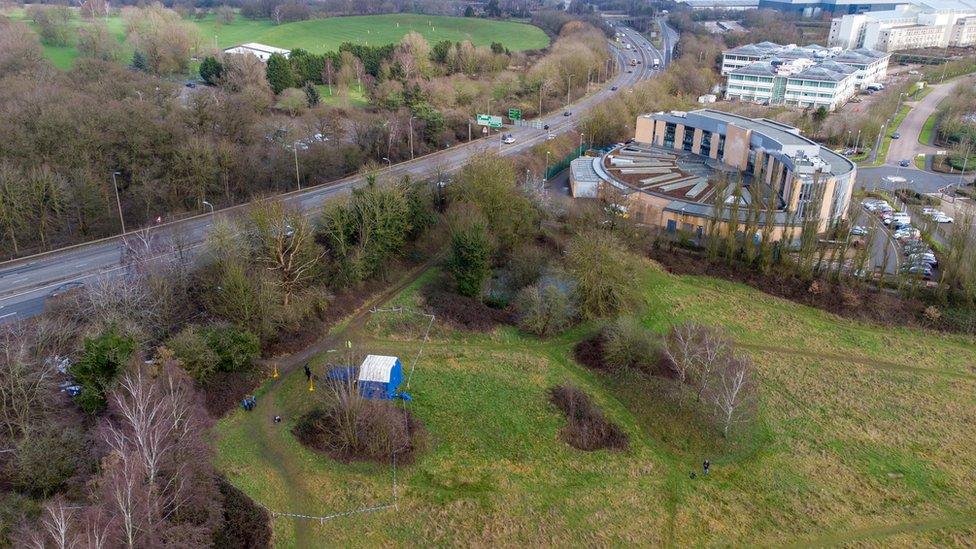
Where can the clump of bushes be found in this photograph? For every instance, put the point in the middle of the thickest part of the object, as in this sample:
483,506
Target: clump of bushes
546,307
223,348
466,313
586,426
349,427
628,344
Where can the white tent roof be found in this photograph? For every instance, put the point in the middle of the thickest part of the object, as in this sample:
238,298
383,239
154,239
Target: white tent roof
377,368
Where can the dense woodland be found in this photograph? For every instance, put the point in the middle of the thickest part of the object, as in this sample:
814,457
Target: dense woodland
172,148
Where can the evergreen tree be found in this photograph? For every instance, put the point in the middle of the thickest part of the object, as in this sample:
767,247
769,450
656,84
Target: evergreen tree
211,70
311,93
139,61
280,74
469,11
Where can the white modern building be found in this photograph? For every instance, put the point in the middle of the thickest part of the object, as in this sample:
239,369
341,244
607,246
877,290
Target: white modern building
800,76
922,24
261,51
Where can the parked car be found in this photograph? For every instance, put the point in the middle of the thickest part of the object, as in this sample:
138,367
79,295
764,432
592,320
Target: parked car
928,259
896,135
859,230
918,271
614,88
567,113
942,218
928,210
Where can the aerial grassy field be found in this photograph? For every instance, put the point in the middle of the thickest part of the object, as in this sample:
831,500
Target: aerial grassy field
322,35
863,435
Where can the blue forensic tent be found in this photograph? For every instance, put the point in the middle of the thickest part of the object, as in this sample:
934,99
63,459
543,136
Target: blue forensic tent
379,377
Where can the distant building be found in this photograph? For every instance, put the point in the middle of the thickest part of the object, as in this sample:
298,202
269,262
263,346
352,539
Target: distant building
922,24
261,51
807,76
815,8
736,5
670,175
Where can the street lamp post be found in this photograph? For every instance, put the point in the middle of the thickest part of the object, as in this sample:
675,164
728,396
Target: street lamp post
389,163
545,174
581,144
118,200
569,88
411,137
298,179
209,205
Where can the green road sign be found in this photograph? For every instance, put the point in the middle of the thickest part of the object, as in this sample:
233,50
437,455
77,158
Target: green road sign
515,114
489,120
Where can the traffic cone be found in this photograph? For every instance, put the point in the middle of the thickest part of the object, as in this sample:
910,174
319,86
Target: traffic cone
274,373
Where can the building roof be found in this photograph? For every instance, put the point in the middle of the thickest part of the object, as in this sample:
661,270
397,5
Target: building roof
583,170
377,368
822,73
264,48
759,68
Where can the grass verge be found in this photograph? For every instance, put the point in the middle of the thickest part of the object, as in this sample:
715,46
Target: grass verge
863,432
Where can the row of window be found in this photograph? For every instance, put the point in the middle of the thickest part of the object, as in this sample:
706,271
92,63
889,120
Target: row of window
811,83
749,78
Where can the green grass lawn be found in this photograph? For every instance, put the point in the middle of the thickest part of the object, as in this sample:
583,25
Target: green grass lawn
322,35
863,434
925,136
330,96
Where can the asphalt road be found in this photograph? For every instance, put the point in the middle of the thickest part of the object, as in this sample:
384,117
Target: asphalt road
908,145
25,284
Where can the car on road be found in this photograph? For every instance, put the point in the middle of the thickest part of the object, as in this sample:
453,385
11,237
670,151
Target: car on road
859,230
942,218
66,288
614,88
191,84
567,113
630,71
508,139
896,135
904,163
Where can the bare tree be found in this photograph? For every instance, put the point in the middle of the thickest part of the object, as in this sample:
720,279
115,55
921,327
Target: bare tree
27,384
732,391
694,352
286,245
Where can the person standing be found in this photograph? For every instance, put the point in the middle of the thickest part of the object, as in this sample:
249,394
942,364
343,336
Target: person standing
705,467
308,372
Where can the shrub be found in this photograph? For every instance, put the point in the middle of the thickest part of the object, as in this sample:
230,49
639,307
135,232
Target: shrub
546,308
605,275
245,524
194,353
470,253
103,358
586,427
350,427
526,266
234,347
46,460
463,312
629,344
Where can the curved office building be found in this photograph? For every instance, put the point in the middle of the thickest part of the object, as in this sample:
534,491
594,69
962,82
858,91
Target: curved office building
671,173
